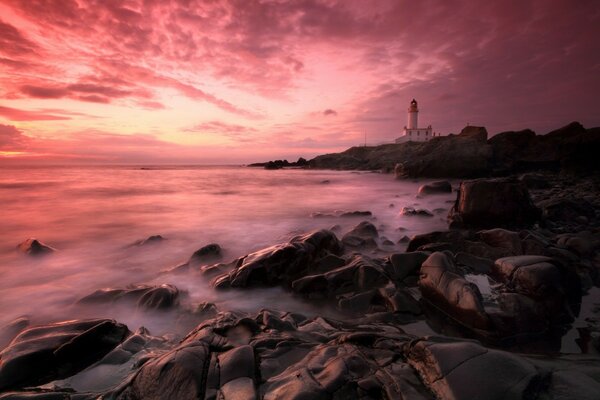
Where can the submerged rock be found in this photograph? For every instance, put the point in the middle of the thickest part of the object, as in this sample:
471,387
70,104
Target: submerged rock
143,296
34,247
419,212
45,353
438,187
150,240
206,253
493,203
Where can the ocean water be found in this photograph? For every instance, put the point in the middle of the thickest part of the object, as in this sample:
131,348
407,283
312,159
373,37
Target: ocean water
92,215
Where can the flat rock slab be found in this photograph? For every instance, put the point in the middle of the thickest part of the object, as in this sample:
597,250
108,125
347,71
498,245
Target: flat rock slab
42,354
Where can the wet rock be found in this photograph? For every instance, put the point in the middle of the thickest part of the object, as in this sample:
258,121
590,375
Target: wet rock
349,214
178,374
34,247
143,296
402,265
443,286
45,353
503,239
543,279
567,210
475,264
362,235
493,203
12,329
282,264
450,368
437,187
150,240
419,212
535,181
206,253
360,274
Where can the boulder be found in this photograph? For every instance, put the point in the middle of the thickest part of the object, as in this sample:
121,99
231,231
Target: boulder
402,265
282,264
410,211
34,247
360,274
362,235
41,354
143,296
567,210
441,285
492,203
210,252
437,187
150,240
450,369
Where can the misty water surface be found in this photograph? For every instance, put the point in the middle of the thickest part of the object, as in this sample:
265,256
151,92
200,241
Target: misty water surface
93,214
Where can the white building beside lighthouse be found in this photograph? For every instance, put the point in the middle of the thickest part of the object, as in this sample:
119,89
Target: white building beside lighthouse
412,132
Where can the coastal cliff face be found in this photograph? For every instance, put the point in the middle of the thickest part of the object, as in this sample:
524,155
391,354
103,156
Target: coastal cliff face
471,154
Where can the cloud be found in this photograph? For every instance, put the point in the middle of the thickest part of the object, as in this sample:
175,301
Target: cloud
12,139
273,65
14,114
231,131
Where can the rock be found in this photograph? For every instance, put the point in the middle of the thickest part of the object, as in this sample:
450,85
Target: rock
492,203
143,296
150,240
350,214
362,235
12,329
42,354
503,239
441,285
34,247
360,274
475,264
178,374
402,265
282,264
450,368
535,181
543,279
206,253
567,210
410,211
437,187
478,133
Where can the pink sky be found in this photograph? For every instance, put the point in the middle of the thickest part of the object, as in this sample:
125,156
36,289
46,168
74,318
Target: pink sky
152,81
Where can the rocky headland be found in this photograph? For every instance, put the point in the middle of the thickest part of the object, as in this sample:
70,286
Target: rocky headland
517,269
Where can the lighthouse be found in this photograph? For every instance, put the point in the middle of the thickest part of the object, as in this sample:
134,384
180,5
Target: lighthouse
412,132
413,115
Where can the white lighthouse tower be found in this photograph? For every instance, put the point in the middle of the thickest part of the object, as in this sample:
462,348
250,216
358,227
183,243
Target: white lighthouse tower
413,115
412,132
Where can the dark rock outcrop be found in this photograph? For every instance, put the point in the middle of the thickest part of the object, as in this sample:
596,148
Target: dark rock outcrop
492,203
437,187
44,353
150,240
145,297
34,247
282,264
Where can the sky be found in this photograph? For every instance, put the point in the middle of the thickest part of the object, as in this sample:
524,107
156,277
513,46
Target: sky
238,81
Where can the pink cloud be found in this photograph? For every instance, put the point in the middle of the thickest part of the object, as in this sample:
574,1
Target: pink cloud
12,139
513,65
14,114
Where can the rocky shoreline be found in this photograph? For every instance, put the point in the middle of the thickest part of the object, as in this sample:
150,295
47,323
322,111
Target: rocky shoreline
501,288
